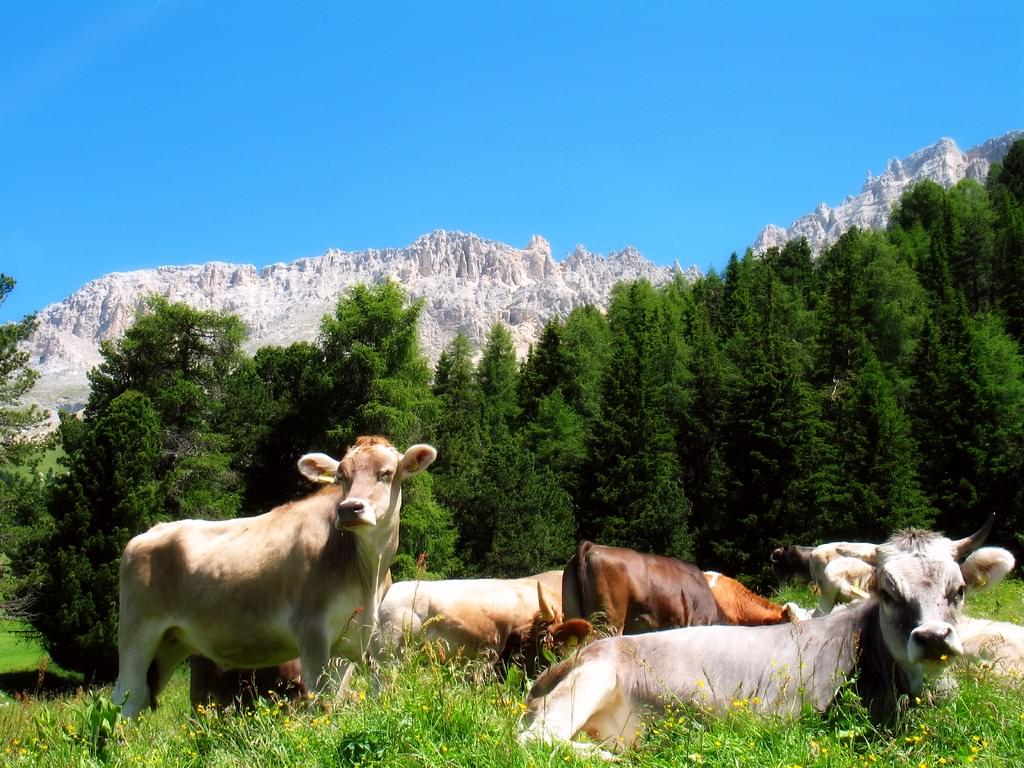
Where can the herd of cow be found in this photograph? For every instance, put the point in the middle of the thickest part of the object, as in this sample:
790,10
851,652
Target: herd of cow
262,604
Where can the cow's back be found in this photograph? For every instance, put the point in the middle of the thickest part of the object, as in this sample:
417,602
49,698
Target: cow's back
677,595
637,592
474,616
739,605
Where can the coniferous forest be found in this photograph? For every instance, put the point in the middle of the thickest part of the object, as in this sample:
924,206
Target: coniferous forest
789,399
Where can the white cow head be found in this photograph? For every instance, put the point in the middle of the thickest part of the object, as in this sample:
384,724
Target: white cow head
921,579
371,475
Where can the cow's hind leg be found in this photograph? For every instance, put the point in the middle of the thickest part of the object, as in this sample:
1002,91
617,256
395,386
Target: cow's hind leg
587,700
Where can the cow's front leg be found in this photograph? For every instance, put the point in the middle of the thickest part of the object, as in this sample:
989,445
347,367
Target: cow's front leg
314,652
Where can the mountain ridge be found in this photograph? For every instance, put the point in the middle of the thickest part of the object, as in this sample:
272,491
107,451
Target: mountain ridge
943,162
467,282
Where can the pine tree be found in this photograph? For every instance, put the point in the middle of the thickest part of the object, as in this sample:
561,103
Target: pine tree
462,447
181,359
707,476
20,486
553,401
771,423
16,379
529,516
1006,190
636,497
110,493
377,376
497,376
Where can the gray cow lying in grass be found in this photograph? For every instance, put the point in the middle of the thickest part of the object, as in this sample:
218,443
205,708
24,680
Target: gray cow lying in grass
907,631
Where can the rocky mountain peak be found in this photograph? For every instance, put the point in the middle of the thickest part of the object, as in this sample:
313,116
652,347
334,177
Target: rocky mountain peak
943,162
467,284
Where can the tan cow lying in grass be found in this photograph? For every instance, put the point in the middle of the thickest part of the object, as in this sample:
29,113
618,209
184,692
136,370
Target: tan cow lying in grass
472,618
304,579
997,645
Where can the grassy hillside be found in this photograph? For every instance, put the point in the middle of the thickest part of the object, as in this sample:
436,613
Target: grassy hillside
17,653
25,668
49,462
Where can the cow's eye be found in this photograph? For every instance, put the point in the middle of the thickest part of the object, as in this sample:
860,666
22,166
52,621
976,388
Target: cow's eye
957,596
384,476
887,597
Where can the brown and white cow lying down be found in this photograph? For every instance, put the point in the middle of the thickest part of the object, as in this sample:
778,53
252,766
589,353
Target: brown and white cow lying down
636,592
552,583
890,643
304,579
548,637
471,618
743,607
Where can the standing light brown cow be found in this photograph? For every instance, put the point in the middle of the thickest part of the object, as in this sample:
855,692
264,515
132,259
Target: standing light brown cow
636,592
304,579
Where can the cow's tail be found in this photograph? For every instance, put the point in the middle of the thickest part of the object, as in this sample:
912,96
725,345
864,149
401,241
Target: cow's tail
574,582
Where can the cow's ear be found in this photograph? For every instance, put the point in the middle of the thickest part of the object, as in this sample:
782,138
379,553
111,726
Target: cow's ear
318,467
417,458
986,567
866,552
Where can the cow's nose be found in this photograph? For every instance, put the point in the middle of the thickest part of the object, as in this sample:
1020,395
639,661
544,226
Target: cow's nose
776,555
353,513
936,642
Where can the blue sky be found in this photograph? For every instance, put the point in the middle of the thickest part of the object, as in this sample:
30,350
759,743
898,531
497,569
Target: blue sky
146,133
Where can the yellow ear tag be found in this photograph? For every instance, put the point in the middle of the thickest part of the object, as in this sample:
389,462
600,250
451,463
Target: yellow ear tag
326,478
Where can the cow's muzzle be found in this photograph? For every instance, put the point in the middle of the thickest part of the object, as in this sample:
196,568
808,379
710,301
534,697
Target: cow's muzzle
936,642
352,513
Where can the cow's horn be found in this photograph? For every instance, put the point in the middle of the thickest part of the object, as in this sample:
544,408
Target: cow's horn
964,547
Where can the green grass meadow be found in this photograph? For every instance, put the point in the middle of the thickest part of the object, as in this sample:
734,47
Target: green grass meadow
17,653
423,713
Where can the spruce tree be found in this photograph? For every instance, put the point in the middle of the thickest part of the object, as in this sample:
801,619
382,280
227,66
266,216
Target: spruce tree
707,476
771,424
21,488
376,374
462,446
110,493
497,376
635,496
